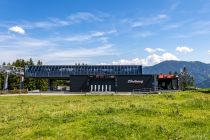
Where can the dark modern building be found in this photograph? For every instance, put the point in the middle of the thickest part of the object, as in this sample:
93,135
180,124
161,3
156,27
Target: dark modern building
99,78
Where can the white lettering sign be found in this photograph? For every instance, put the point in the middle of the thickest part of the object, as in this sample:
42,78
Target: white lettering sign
135,81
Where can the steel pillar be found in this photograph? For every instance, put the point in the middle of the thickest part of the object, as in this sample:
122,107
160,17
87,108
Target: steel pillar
21,82
0,84
6,77
50,84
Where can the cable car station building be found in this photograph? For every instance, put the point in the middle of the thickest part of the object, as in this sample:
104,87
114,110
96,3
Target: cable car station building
99,78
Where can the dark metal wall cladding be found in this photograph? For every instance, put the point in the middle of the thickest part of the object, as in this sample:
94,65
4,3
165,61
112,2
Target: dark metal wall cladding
124,86
82,83
79,83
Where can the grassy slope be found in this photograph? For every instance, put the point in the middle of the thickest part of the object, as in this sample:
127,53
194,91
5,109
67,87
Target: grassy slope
182,115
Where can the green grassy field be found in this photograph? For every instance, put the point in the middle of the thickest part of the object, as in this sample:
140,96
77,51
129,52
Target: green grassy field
181,115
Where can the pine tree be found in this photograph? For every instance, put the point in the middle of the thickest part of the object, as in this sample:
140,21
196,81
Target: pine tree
186,80
39,62
31,62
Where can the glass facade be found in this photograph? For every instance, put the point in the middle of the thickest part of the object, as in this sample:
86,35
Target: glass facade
67,70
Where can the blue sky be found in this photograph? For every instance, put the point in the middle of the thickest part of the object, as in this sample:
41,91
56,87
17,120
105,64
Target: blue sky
105,31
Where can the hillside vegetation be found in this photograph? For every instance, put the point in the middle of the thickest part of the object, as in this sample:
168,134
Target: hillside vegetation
181,115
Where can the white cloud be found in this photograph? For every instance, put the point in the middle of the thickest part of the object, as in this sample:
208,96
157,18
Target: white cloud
70,20
30,42
168,56
197,28
144,34
184,49
25,42
174,6
149,60
86,37
135,61
172,26
148,21
160,50
26,48
105,50
155,59
79,38
18,47
17,29
56,50
4,56
151,50
75,55
4,38
83,16
209,51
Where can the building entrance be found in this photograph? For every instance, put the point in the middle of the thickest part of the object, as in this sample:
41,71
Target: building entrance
102,85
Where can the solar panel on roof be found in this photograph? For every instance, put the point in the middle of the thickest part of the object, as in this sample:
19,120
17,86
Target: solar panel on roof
66,71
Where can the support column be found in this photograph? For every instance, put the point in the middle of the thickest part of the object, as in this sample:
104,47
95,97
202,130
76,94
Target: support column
88,86
6,77
0,85
69,83
50,84
116,86
21,82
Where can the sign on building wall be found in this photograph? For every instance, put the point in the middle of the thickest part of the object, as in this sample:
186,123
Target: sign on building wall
135,81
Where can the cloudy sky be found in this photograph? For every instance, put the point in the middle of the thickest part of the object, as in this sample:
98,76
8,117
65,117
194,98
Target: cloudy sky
105,32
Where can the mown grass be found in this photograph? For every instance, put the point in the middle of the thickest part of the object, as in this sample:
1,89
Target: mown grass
181,115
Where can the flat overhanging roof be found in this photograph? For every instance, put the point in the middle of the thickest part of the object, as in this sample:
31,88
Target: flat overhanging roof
64,71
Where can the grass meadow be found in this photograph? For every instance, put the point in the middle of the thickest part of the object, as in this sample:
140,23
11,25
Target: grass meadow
181,115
